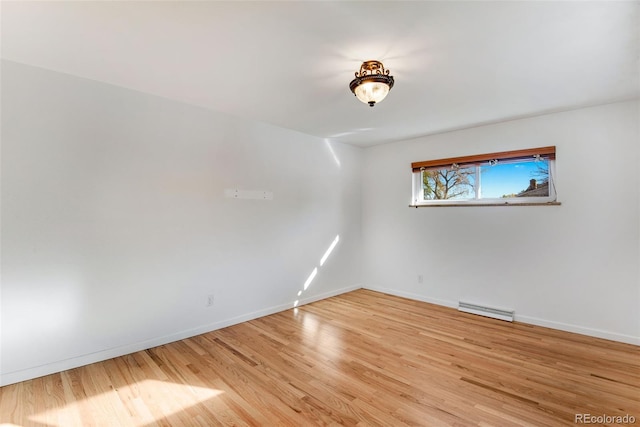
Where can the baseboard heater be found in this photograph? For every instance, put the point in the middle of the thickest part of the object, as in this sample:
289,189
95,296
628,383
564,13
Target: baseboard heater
496,313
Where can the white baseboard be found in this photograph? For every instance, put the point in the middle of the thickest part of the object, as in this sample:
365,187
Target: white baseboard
415,297
597,333
86,359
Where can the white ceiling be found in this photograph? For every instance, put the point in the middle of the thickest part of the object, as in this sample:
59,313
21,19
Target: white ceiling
456,64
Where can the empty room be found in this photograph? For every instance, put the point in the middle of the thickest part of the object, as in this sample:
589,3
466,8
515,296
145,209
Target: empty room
311,213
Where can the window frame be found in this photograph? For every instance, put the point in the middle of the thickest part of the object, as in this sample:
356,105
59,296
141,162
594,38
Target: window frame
478,161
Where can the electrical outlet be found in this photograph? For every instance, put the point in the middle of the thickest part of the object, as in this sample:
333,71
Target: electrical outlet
210,300
420,278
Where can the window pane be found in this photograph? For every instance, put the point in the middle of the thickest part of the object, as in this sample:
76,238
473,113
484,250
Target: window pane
449,184
515,179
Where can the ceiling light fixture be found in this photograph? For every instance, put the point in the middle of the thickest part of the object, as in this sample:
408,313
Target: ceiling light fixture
372,83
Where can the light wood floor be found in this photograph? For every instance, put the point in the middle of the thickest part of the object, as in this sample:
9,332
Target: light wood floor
362,358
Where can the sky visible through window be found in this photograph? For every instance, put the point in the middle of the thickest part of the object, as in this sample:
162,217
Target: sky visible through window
509,178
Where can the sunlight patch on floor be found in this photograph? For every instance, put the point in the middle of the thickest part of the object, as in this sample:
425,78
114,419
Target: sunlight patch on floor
134,401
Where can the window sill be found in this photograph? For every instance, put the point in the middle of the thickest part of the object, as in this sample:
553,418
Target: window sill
446,205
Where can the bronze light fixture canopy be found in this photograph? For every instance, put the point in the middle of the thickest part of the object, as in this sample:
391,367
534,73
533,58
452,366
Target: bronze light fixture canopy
372,83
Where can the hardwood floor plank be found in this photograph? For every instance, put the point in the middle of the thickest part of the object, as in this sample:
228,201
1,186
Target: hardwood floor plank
358,359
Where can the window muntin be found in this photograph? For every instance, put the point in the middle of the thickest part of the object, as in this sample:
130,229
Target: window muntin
514,177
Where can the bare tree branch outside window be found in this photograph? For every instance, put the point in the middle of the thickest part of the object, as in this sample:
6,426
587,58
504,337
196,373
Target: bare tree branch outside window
443,184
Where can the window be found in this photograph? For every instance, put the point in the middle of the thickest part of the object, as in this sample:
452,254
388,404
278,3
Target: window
507,178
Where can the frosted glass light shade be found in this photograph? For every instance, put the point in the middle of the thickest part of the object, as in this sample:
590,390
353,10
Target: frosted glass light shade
372,92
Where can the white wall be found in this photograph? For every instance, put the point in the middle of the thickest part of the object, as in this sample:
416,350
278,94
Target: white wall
115,227
571,267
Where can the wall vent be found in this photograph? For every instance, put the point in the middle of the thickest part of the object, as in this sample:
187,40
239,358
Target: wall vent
496,313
